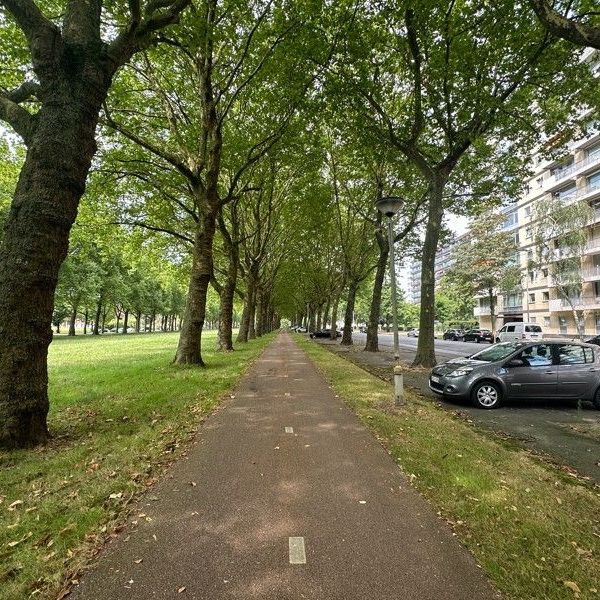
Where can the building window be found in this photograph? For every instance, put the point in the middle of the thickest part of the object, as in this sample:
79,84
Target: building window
565,193
546,321
531,276
528,233
539,181
562,324
597,323
594,151
533,319
545,272
532,297
593,181
527,211
546,296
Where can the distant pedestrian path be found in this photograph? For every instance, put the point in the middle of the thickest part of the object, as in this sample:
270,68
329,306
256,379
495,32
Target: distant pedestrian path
285,495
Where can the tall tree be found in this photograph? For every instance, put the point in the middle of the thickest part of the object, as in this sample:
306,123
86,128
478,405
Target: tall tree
70,62
441,82
560,239
487,262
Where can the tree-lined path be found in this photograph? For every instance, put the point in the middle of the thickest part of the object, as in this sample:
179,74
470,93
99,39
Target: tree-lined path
285,495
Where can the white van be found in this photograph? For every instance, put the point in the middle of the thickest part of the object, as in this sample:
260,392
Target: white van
519,331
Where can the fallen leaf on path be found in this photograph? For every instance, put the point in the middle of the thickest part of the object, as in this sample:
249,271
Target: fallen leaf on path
138,561
181,589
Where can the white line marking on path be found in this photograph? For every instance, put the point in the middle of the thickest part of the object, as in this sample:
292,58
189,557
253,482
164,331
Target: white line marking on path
289,430
297,552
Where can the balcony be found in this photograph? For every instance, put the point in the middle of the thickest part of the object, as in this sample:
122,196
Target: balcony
573,169
585,193
591,273
593,246
579,303
481,311
511,310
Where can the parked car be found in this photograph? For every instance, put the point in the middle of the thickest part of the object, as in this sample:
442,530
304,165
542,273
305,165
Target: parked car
324,333
478,335
412,332
519,331
594,340
362,328
549,369
453,334
301,329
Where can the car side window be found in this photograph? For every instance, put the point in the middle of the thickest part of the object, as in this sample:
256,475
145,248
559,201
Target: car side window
589,355
510,328
571,355
537,356
503,329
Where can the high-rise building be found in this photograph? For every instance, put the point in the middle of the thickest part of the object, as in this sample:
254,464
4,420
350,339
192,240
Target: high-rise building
574,177
443,261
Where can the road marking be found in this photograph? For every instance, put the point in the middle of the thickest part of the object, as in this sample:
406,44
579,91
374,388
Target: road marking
289,430
297,552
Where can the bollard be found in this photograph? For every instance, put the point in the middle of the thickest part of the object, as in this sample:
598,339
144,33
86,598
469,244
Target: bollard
398,387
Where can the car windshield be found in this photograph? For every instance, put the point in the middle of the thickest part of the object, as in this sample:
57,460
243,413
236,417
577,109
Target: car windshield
497,352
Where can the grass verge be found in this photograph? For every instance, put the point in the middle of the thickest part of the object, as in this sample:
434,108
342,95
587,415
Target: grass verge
533,529
119,413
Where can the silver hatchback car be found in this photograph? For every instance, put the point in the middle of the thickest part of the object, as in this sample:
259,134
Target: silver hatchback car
548,369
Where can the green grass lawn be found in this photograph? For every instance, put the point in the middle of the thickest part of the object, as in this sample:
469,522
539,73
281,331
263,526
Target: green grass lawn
119,413
534,529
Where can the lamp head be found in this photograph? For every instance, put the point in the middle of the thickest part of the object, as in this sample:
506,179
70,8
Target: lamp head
389,206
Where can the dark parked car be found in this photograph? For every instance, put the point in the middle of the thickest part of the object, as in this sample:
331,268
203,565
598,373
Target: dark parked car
454,334
553,369
324,333
594,340
478,335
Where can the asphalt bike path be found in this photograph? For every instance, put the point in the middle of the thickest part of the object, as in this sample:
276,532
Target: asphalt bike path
284,495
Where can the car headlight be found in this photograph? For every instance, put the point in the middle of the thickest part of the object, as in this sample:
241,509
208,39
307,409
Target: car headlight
460,372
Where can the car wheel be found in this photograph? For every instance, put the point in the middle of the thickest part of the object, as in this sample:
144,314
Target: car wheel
477,340
596,399
497,340
486,394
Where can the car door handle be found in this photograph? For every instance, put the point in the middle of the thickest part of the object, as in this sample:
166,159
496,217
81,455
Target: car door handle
593,370
550,372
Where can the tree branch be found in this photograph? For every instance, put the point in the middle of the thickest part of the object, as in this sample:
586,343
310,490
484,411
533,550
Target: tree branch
22,121
144,225
580,34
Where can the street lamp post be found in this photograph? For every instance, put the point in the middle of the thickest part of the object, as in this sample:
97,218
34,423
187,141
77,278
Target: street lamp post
389,207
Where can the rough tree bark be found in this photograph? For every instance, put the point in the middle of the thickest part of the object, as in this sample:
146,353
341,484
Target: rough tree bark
425,355
372,344
74,68
347,335
189,348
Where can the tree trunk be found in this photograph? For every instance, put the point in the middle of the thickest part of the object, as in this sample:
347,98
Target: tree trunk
347,335
259,312
96,331
334,315
326,313
125,321
189,348
85,321
104,312
425,356
138,318
252,320
372,344
72,321
35,243
247,312
492,312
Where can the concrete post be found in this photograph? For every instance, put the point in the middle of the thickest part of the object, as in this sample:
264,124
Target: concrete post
398,386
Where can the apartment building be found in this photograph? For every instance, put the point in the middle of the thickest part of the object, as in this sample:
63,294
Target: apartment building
575,177
443,261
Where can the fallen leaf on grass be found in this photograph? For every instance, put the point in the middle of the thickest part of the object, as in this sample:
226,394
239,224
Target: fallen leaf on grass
116,496
15,505
572,586
17,542
138,561
181,589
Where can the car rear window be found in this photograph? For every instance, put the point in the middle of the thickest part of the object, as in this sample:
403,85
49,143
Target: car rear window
570,354
533,328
